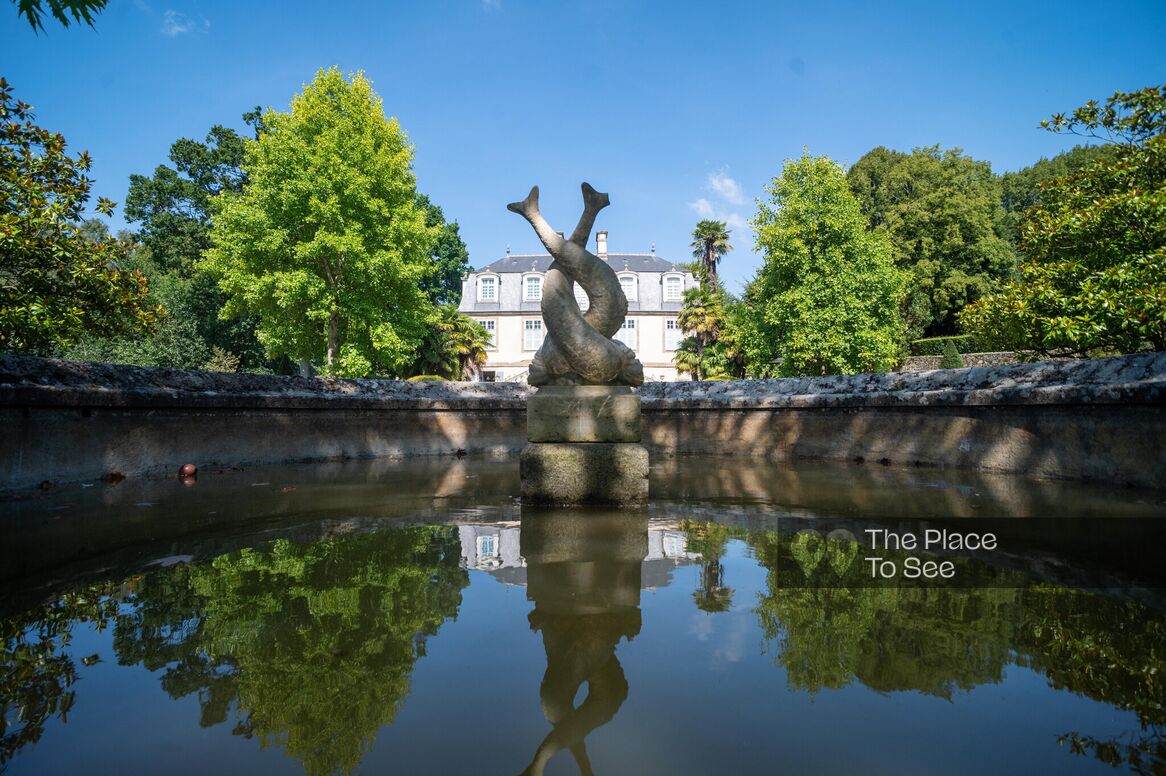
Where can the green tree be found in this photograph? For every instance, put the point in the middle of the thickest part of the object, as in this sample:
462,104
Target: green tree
326,244
951,357
942,212
451,259
710,242
57,283
81,10
708,351
175,341
1094,276
1022,189
826,300
173,209
453,347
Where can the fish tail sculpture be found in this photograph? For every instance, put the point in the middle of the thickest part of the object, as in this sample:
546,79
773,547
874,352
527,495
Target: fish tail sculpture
578,348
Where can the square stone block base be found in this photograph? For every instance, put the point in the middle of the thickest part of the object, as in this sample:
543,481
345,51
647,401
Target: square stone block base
583,413
565,473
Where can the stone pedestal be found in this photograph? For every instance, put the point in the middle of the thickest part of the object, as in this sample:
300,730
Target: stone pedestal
584,447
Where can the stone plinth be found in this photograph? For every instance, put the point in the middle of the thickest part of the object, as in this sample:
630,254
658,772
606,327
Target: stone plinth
583,413
584,473
584,447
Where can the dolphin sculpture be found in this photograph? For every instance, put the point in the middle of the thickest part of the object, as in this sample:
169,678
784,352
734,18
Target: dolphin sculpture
578,348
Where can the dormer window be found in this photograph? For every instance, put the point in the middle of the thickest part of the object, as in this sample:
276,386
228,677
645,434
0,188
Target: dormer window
488,288
532,286
628,284
673,288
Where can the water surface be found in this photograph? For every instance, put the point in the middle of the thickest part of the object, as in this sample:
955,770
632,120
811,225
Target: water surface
412,617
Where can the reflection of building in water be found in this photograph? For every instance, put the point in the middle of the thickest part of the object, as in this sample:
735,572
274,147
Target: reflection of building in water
494,548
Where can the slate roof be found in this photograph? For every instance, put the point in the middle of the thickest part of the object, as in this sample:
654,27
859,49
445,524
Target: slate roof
540,262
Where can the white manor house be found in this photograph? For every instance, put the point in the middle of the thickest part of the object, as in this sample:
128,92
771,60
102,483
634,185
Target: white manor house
506,296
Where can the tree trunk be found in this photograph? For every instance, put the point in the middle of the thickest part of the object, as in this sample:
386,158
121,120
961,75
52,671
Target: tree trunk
710,265
333,339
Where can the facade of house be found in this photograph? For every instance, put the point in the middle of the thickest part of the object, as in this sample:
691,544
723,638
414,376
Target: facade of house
495,548
506,298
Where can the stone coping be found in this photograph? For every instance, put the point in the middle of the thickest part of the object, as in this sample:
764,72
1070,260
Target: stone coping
50,382
1136,379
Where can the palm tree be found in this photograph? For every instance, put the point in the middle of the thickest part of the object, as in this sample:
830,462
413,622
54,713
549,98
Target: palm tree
701,317
710,241
454,347
467,340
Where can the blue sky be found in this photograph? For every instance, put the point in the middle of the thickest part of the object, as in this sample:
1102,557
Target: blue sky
679,110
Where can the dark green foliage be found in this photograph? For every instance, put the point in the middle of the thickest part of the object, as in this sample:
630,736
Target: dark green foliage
173,208
1094,279
710,350
80,10
1021,190
951,356
61,279
942,212
451,260
964,343
175,342
452,348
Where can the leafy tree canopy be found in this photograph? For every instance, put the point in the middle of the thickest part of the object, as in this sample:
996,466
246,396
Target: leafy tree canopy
326,244
57,283
453,347
826,300
1021,190
173,209
1094,279
173,206
451,259
33,11
941,210
709,351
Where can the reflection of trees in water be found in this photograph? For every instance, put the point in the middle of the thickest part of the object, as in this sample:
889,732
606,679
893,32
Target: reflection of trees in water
312,646
835,629
709,540
36,671
1112,652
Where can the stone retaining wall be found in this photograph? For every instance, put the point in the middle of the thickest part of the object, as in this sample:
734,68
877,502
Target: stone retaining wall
928,363
1100,419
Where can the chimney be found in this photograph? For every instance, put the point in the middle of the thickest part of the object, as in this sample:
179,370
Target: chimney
601,245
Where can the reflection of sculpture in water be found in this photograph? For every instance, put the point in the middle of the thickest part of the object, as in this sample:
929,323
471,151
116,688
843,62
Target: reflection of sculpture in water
583,574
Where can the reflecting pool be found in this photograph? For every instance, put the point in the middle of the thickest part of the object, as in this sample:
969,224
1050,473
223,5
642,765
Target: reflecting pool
412,617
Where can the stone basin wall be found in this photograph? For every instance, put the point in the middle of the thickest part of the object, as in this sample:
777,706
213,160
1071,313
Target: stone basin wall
1099,419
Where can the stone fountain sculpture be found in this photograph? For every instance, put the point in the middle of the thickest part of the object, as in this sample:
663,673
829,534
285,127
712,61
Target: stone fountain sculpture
583,424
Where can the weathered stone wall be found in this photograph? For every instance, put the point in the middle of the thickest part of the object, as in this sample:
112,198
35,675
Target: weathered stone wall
928,363
1098,419
1102,419
65,421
